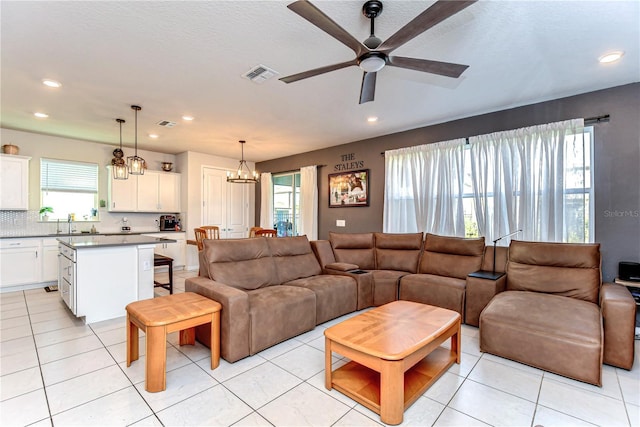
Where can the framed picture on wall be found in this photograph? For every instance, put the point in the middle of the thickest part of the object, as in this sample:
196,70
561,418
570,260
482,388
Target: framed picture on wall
349,189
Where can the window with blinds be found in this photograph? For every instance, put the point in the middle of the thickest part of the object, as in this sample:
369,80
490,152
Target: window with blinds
70,188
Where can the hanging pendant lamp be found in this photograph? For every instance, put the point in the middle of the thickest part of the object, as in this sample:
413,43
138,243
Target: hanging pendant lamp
244,174
137,165
119,166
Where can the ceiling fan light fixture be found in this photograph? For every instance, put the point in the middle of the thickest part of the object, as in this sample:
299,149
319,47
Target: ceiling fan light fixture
244,175
372,63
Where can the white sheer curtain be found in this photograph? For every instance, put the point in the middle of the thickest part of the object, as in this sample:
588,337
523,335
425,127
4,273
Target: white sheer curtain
308,223
424,189
519,181
266,200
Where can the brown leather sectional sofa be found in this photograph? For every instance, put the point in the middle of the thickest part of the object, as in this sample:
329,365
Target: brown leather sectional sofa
550,310
271,289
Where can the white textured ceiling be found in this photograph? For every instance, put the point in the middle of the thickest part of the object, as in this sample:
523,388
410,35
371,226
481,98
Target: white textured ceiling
187,57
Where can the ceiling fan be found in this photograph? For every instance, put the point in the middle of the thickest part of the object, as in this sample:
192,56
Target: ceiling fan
373,54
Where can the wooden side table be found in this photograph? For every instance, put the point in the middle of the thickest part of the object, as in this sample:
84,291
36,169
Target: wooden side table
160,316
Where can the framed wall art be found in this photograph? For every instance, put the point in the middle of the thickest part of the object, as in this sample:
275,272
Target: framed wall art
349,189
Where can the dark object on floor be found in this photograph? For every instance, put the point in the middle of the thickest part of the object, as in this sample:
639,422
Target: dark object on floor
52,288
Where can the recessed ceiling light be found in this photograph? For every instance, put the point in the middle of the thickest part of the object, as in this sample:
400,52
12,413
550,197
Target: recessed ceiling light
372,119
610,57
41,115
153,135
51,83
187,118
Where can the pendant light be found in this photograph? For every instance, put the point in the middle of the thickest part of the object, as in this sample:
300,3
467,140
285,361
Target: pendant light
136,164
119,166
244,174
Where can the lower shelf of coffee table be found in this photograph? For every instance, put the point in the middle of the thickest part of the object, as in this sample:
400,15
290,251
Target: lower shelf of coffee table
363,384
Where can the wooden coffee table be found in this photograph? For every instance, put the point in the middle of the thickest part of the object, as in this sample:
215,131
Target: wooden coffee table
395,355
160,316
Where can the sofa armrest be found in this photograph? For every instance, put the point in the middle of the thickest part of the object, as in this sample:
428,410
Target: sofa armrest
341,266
323,251
618,310
480,289
234,319
364,283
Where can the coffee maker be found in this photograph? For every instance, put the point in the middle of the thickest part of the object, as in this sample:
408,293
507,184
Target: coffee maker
168,222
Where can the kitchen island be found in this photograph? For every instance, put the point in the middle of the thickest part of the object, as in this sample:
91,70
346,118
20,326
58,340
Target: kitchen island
99,275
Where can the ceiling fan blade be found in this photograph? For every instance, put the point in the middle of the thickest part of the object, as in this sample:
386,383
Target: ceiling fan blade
317,71
447,69
314,15
368,89
438,12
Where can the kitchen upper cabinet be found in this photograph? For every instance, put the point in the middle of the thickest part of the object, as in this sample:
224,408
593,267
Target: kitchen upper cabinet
123,194
152,192
14,182
159,192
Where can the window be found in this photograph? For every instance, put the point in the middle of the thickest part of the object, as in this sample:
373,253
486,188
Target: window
536,179
70,188
286,203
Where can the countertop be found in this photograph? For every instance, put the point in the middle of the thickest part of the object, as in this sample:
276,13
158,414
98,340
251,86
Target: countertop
41,236
102,241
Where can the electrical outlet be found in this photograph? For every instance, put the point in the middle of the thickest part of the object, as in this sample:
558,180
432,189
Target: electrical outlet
341,223
146,266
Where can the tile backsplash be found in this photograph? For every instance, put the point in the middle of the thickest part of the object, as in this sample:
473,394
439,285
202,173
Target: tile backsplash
28,223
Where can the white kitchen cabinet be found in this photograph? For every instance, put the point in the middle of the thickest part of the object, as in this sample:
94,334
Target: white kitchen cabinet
152,192
169,192
49,260
177,250
123,193
14,182
21,262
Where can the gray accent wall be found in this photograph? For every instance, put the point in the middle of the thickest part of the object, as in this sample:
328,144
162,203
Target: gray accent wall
616,155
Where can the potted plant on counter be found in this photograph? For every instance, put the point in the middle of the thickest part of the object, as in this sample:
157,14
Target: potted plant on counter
45,211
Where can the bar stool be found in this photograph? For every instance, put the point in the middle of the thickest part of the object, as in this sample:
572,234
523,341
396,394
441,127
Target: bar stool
161,261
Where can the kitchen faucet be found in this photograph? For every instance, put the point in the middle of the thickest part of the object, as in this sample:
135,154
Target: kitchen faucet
69,221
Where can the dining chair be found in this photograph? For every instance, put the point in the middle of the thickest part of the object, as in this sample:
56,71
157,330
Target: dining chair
200,234
213,231
266,233
252,231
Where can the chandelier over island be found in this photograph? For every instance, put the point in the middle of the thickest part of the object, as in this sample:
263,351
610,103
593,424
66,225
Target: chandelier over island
244,175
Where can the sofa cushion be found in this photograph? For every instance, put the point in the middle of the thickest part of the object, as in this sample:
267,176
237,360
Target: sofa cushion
243,263
335,294
398,251
551,332
278,313
385,285
451,256
441,291
354,248
293,258
566,269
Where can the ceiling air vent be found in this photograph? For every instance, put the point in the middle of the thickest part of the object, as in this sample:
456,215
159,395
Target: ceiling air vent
260,74
166,123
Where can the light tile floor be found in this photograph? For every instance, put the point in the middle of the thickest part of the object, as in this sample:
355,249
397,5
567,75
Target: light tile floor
56,370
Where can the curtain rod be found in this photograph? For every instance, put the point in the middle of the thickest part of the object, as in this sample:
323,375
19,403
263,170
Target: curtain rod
588,121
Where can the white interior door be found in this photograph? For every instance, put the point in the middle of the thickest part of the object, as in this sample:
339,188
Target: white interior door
225,204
